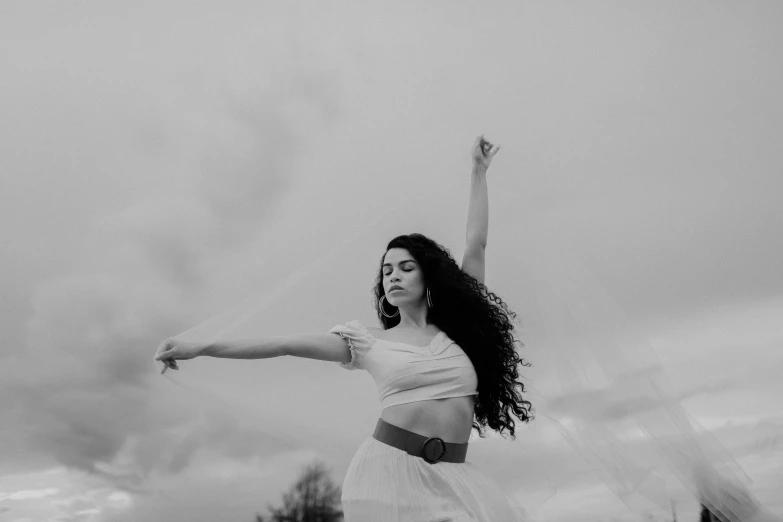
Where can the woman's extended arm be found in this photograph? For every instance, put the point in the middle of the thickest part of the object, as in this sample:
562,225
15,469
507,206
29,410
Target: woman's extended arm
323,346
172,350
264,348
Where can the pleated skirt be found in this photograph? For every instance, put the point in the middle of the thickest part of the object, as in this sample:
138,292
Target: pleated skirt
386,484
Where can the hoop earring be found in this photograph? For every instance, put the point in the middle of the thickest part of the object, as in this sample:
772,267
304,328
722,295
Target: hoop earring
429,299
380,305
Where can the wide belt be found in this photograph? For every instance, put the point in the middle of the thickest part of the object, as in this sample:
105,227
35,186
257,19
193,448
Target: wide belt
431,449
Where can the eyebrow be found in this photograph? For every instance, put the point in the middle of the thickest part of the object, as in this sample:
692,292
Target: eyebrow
401,262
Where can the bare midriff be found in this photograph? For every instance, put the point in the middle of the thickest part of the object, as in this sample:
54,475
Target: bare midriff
450,419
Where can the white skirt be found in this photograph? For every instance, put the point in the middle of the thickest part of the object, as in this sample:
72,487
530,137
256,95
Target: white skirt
386,484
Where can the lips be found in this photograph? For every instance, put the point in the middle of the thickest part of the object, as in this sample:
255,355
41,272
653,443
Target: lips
395,287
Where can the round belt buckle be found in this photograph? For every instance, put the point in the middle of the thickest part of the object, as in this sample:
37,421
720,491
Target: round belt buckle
424,450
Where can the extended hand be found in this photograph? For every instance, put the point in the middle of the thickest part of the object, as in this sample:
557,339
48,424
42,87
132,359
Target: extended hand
483,152
172,350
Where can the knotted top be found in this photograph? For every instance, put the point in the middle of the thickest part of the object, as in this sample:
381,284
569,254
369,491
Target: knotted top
406,373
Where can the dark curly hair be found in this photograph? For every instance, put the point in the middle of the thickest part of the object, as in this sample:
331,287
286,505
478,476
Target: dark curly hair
478,321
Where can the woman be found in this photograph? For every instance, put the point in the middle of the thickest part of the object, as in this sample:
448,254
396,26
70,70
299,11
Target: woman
444,356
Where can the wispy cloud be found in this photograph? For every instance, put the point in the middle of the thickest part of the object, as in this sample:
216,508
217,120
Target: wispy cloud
28,494
218,159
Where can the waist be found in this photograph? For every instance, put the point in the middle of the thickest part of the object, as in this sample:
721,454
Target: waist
449,418
431,449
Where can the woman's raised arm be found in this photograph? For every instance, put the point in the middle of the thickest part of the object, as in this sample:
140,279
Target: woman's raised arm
478,209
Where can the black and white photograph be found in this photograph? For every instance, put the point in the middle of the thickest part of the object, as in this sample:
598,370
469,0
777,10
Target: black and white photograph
357,261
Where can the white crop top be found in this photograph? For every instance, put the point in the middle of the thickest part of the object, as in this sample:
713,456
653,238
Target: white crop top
405,373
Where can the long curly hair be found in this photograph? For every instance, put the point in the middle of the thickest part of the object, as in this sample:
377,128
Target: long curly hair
478,321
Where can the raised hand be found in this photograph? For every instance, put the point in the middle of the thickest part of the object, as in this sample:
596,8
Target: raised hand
483,152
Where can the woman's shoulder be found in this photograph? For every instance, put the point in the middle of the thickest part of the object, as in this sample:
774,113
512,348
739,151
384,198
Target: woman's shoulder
360,328
379,333
405,336
375,332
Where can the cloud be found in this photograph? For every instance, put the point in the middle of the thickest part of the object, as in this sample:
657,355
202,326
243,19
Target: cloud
84,390
28,494
62,494
633,393
643,420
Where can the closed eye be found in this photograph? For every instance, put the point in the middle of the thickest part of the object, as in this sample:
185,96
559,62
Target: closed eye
404,270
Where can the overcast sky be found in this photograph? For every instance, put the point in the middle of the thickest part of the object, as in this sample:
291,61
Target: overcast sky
163,161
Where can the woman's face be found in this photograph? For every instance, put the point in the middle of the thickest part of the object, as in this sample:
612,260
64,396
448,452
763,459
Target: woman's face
399,268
